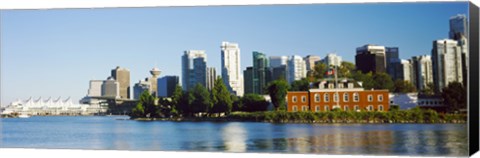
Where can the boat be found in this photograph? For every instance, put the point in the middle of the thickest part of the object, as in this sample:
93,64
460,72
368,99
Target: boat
23,116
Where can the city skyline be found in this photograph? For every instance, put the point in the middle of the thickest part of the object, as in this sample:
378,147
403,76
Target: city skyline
297,37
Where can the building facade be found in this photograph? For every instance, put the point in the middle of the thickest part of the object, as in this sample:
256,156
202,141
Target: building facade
167,85
422,71
371,58
393,63
277,61
155,72
261,72
248,80
111,88
194,69
230,58
347,97
297,68
95,88
310,61
458,26
447,63
141,87
280,73
332,60
122,75
211,77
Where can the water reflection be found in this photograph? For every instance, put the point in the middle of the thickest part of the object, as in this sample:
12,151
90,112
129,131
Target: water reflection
234,136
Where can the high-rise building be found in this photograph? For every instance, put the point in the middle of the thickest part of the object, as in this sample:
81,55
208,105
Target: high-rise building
406,71
248,80
261,72
122,76
231,75
280,73
194,69
447,63
166,85
141,87
211,77
277,61
393,63
422,71
332,59
371,58
153,80
310,61
111,88
458,27
297,68
95,89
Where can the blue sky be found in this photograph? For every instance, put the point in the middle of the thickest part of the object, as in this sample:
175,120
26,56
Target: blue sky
56,52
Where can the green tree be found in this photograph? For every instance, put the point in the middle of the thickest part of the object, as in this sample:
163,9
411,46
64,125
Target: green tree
401,86
278,91
254,102
201,99
146,106
319,70
429,90
221,99
181,101
300,85
454,96
346,69
382,81
366,79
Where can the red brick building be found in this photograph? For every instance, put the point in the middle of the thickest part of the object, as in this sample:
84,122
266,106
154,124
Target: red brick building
348,96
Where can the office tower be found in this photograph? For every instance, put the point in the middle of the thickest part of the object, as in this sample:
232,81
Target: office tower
280,73
122,76
393,63
230,57
310,61
458,26
141,87
155,72
405,71
167,85
277,61
261,72
194,69
211,77
297,68
332,59
447,63
422,71
370,58
248,80
95,89
111,88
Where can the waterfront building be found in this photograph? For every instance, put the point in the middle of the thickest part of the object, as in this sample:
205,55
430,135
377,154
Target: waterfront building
278,61
95,88
248,80
332,59
348,95
122,76
371,58
447,63
194,69
403,100
167,85
51,106
155,72
296,68
422,73
141,87
310,61
458,26
230,58
111,88
261,72
211,77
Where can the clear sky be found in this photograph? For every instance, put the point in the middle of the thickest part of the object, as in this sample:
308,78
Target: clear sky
56,52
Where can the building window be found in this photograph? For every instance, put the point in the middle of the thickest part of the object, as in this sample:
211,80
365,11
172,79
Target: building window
327,108
356,108
370,108
326,97
317,97
370,98
294,99
345,97
304,108
335,97
317,108
356,98
345,108
380,97
294,108
380,107
304,99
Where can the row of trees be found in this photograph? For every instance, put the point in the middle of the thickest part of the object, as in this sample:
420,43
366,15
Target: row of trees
198,101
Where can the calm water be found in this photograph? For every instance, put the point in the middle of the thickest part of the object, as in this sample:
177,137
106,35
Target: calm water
93,132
